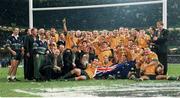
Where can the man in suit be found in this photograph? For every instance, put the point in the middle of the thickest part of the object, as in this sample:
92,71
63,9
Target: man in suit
26,58
161,42
28,44
51,69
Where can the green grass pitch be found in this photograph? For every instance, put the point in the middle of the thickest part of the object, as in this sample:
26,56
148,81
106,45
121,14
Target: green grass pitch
7,89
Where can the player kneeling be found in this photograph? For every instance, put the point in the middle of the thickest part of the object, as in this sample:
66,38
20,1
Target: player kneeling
159,75
148,67
152,69
79,74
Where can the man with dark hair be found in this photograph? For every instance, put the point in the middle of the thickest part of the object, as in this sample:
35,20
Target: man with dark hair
29,53
152,34
67,60
61,40
161,42
79,74
26,59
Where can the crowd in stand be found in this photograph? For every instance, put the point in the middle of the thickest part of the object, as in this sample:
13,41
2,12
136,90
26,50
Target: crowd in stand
81,55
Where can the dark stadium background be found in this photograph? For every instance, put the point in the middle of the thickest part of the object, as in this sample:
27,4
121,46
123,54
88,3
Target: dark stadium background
15,13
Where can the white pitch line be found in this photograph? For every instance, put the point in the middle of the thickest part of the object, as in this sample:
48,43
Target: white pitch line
90,91
23,91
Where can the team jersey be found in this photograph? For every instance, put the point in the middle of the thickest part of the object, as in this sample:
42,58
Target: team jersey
114,42
151,57
124,52
129,55
69,41
76,40
104,53
55,38
40,47
97,48
91,70
15,43
150,70
143,41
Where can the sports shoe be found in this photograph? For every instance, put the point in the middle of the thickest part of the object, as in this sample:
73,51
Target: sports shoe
9,79
178,78
15,79
111,77
138,79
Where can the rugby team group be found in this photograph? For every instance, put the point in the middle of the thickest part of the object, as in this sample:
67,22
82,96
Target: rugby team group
123,53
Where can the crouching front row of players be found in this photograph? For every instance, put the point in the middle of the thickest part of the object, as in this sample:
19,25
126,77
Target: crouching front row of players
145,66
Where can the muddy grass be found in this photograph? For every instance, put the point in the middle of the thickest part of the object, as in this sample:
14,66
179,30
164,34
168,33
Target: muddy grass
140,89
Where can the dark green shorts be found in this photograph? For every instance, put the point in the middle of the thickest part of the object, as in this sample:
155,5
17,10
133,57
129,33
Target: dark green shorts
85,74
151,77
18,56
